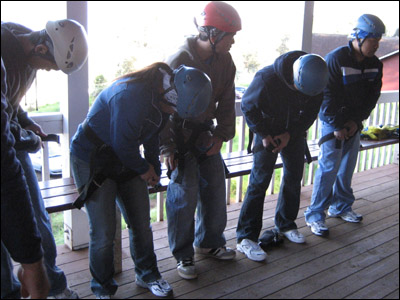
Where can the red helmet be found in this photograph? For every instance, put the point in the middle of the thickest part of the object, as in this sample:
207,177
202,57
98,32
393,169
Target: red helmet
221,16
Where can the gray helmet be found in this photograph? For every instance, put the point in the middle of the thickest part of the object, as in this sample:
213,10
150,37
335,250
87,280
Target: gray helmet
371,25
194,91
310,74
70,44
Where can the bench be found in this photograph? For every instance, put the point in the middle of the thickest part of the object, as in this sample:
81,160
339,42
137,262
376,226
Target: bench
59,194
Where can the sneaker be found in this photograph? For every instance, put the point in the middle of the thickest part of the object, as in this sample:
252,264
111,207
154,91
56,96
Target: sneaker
66,294
223,253
103,296
186,269
294,236
349,216
252,250
160,287
318,228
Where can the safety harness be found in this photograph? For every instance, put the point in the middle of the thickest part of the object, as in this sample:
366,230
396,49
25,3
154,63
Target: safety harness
183,147
104,164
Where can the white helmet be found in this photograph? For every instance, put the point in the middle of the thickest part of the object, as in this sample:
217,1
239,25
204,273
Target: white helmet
70,44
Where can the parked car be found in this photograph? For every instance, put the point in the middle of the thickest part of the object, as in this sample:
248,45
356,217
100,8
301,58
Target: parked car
55,159
239,90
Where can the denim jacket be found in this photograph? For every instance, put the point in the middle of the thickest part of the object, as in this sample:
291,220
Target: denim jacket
125,116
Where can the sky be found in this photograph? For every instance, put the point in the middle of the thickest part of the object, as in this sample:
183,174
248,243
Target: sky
152,30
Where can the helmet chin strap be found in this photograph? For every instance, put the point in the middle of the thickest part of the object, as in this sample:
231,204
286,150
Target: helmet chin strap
360,43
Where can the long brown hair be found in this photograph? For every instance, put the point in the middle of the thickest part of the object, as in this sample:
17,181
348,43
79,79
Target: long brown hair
149,74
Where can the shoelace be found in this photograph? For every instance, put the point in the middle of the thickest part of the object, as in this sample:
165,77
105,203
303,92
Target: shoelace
186,262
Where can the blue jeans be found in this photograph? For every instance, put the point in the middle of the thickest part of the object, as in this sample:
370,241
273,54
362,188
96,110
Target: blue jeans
10,286
287,208
133,199
332,185
203,187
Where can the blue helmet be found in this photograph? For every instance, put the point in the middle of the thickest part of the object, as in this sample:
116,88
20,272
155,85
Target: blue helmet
310,74
369,26
194,91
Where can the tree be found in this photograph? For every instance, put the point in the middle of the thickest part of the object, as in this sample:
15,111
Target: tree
100,83
251,63
282,47
127,66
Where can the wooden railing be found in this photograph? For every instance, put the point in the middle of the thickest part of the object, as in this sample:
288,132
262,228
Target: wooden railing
386,112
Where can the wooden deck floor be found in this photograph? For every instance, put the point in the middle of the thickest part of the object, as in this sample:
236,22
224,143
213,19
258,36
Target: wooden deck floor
356,261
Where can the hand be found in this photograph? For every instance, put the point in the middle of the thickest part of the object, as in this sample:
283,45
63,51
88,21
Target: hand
36,128
284,138
150,176
34,281
352,128
217,145
341,135
171,162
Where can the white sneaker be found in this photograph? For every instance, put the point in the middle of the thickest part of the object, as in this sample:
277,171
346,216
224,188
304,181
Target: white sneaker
223,253
103,297
159,288
186,269
252,250
294,236
66,294
350,216
318,228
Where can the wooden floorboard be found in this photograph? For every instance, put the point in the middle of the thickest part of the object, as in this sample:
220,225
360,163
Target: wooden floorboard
355,261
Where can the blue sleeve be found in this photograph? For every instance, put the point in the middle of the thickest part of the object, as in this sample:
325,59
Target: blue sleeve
250,106
127,119
19,230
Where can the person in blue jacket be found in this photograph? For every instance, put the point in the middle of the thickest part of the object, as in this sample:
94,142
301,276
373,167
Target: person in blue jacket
62,45
355,81
17,215
106,155
280,104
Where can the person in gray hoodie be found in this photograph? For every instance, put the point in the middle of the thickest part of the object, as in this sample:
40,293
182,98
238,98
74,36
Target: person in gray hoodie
192,146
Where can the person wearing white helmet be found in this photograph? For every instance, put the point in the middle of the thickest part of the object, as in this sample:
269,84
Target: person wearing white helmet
61,46
355,81
279,106
192,146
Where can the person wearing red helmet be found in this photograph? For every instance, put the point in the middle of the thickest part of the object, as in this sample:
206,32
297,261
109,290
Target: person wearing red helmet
192,146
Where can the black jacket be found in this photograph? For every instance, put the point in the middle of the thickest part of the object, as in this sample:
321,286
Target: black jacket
272,105
19,232
353,88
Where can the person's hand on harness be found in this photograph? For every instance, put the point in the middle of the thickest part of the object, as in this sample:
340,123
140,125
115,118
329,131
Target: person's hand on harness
278,142
351,127
150,176
341,134
36,129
